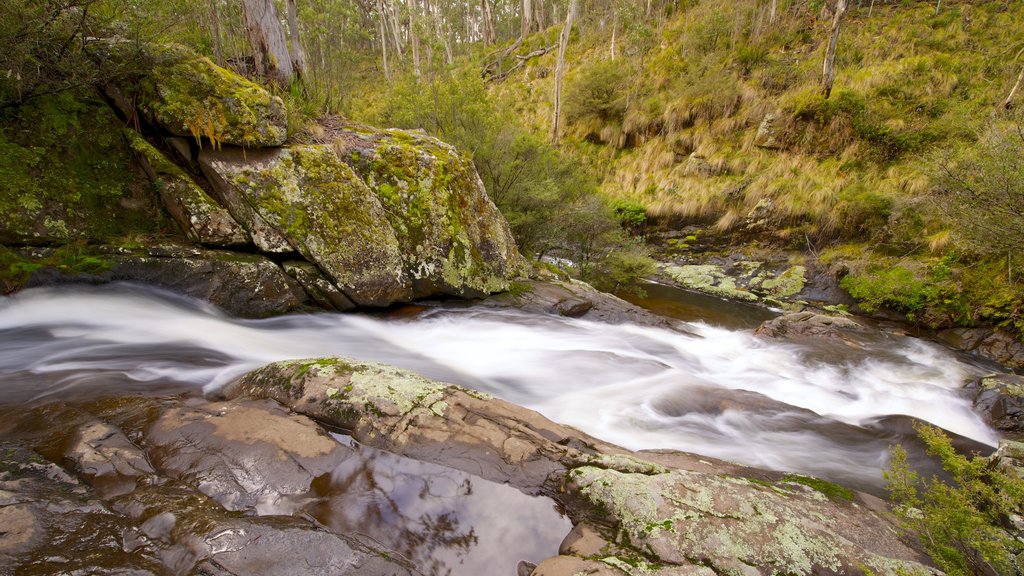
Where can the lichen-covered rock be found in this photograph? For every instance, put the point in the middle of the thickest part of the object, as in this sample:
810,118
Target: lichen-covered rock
188,95
454,241
689,518
411,220
708,278
810,324
200,217
1000,399
736,526
306,196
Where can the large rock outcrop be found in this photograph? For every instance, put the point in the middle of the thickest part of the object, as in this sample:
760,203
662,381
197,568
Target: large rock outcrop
406,217
666,513
368,217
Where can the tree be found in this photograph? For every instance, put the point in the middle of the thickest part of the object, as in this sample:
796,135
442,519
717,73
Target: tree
267,39
828,72
981,190
563,41
1013,91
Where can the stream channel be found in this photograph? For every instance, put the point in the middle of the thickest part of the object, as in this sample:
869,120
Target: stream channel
824,408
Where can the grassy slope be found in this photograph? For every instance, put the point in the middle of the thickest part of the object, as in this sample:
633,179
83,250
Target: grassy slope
672,122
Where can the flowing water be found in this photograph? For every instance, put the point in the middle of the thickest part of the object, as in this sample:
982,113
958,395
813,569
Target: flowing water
824,408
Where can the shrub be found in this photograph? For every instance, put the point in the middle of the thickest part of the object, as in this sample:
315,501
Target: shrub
597,95
960,524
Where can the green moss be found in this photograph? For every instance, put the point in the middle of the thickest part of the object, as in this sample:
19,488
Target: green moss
789,283
833,491
190,95
708,278
66,173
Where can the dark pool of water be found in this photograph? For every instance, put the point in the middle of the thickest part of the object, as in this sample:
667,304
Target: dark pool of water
696,307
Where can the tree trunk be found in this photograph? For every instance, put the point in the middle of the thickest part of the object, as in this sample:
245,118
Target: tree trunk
488,27
560,68
828,71
414,37
1013,91
269,45
773,11
538,15
615,26
383,40
527,18
296,50
218,51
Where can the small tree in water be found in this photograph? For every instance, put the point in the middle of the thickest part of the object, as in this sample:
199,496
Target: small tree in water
962,525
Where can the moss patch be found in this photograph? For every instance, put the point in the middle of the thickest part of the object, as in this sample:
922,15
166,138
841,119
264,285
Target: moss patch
66,173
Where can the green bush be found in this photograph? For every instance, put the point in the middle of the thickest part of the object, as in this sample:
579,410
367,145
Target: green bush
961,523
597,94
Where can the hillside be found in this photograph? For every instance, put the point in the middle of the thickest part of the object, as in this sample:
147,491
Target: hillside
713,120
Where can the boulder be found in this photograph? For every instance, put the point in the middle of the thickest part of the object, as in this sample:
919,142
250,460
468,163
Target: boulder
1000,400
188,95
387,216
454,240
304,198
200,217
810,324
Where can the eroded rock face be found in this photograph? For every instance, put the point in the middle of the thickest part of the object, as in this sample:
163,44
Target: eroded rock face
994,344
1000,399
200,217
687,518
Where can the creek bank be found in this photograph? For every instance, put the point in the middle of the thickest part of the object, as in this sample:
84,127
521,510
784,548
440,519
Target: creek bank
795,280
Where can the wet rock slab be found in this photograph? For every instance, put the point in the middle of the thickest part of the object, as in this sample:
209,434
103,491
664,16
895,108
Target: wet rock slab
690,517
187,486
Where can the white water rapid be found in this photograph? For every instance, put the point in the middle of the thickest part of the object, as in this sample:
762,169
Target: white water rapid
826,409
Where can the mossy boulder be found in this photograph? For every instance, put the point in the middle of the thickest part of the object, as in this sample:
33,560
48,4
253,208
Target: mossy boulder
188,95
317,206
387,216
200,217
454,240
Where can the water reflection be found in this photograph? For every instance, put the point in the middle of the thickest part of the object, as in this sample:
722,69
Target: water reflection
448,523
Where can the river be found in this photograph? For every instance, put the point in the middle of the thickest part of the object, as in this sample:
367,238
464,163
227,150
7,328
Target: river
821,408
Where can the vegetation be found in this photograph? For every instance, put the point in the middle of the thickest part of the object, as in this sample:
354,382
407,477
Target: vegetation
962,524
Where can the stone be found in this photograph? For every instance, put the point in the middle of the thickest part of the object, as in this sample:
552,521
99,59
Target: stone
810,324
662,520
244,285
454,240
304,198
188,95
767,133
317,286
1000,400
995,344
200,217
